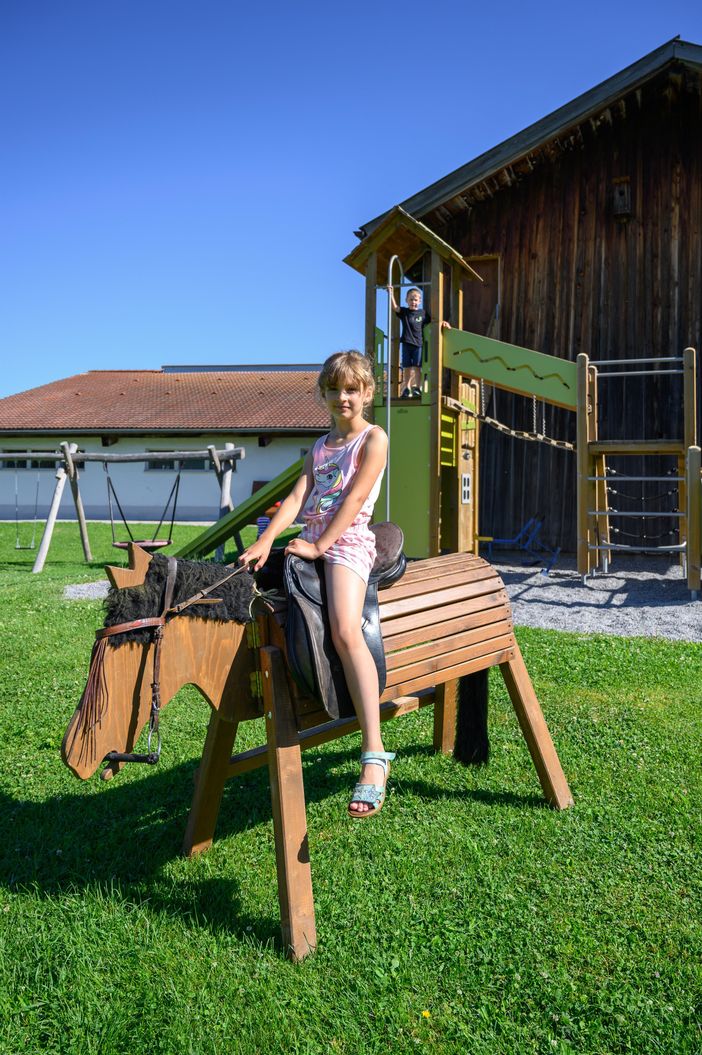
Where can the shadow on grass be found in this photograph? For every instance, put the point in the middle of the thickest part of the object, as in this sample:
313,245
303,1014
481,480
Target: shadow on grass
118,837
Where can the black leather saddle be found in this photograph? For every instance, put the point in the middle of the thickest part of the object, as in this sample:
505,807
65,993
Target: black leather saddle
312,657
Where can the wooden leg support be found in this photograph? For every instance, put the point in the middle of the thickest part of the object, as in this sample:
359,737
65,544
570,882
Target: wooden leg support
289,813
445,708
535,730
209,785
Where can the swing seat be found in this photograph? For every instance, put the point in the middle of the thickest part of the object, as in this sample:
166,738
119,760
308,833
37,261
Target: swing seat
147,543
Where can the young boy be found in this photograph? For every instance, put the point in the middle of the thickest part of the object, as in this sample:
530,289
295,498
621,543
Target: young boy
413,319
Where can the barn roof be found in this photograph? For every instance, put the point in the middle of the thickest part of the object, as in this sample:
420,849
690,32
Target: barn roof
444,198
138,401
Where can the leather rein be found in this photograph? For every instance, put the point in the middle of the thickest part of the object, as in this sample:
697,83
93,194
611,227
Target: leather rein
157,623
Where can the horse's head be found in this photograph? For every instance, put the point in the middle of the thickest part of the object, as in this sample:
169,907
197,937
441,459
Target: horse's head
118,698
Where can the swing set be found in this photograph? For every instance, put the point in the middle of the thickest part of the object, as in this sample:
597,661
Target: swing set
155,542
221,461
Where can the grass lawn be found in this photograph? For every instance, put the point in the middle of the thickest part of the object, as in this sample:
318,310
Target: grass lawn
468,918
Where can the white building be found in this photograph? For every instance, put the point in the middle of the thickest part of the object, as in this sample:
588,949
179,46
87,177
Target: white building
272,412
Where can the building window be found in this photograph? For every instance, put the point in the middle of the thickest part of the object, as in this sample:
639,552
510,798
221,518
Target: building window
170,465
13,462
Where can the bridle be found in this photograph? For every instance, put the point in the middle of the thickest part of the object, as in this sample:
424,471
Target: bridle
94,688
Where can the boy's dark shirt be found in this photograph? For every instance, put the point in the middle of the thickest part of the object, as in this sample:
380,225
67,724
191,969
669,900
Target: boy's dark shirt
412,323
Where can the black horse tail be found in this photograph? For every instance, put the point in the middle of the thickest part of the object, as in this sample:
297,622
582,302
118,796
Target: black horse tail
472,746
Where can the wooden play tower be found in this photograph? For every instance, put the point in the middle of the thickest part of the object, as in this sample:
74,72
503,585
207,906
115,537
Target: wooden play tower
433,478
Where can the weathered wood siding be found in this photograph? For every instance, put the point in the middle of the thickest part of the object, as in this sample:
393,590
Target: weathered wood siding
577,279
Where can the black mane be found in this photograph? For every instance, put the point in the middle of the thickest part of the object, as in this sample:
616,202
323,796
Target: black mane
139,602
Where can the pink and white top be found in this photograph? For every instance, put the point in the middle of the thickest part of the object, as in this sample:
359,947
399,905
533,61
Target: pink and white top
333,469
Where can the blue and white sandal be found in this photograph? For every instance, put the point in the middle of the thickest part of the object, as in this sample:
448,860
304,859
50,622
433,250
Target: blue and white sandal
373,794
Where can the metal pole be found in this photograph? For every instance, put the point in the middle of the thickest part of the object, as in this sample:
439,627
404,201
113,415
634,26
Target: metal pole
388,397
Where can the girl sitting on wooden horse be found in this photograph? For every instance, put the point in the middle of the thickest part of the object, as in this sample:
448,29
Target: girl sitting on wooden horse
335,496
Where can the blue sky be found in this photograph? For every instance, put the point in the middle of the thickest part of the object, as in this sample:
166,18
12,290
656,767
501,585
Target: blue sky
180,181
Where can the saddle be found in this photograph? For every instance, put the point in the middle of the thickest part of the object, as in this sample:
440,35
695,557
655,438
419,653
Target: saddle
312,657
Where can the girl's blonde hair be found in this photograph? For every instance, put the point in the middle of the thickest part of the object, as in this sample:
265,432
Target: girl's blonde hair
347,366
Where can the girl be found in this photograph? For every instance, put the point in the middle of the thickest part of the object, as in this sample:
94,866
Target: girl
336,494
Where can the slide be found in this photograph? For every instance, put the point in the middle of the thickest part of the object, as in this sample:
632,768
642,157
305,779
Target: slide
244,514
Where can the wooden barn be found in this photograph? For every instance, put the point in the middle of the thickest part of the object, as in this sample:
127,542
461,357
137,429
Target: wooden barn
586,228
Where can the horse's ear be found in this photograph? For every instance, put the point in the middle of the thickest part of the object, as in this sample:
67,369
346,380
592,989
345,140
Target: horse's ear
135,574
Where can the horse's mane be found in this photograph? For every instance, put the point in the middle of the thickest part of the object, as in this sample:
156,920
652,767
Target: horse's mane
138,602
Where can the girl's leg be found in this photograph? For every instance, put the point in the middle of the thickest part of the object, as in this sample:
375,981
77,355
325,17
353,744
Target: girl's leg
346,592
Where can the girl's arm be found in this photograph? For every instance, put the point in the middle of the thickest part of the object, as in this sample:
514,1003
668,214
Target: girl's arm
373,458
283,518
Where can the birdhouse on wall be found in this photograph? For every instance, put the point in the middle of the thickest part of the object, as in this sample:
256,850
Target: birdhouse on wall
621,199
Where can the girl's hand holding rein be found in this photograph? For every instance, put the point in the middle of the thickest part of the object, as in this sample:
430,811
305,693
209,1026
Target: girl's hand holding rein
258,553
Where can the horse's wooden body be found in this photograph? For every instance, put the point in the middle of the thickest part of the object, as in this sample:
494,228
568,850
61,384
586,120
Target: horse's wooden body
446,618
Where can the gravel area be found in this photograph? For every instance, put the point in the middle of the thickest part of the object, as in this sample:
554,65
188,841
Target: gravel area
87,591
645,597
642,597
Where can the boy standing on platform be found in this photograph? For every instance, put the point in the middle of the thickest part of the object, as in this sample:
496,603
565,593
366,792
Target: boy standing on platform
413,319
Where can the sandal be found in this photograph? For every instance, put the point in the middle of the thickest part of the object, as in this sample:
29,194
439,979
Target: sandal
373,794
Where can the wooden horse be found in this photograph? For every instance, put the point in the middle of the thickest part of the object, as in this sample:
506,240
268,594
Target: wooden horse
444,624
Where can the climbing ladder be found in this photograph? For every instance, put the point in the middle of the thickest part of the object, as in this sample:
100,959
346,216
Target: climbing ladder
597,481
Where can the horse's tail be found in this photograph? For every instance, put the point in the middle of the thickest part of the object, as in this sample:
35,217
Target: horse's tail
472,746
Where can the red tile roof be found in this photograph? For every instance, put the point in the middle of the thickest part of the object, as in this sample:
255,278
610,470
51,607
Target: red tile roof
150,400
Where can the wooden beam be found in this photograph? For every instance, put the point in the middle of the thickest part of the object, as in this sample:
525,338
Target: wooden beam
371,304
533,726
583,462
69,449
328,731
289,815
436,302
694,519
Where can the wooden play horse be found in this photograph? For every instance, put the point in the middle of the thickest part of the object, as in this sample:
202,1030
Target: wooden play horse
446,620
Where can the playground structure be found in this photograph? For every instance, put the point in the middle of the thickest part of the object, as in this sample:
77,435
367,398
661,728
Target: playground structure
431,486
220,460
445,623
596,477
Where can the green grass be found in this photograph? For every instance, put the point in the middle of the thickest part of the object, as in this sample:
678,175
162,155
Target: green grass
517,928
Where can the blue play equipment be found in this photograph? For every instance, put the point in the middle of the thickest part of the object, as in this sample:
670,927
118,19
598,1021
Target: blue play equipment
528,540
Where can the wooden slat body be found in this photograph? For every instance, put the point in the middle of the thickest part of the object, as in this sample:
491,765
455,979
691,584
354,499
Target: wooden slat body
445,617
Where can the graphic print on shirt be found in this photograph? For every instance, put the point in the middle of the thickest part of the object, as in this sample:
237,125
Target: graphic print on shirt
329,481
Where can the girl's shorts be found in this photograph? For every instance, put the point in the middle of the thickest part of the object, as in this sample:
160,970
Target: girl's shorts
355,549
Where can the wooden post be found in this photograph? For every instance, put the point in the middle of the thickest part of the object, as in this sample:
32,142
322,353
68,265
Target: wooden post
224,479
209,785
69,449
598,527
371,302
583,462
689,398
694,519
61,477
456,296
289,814
689,439
225,498
436,301
445,711
535,730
